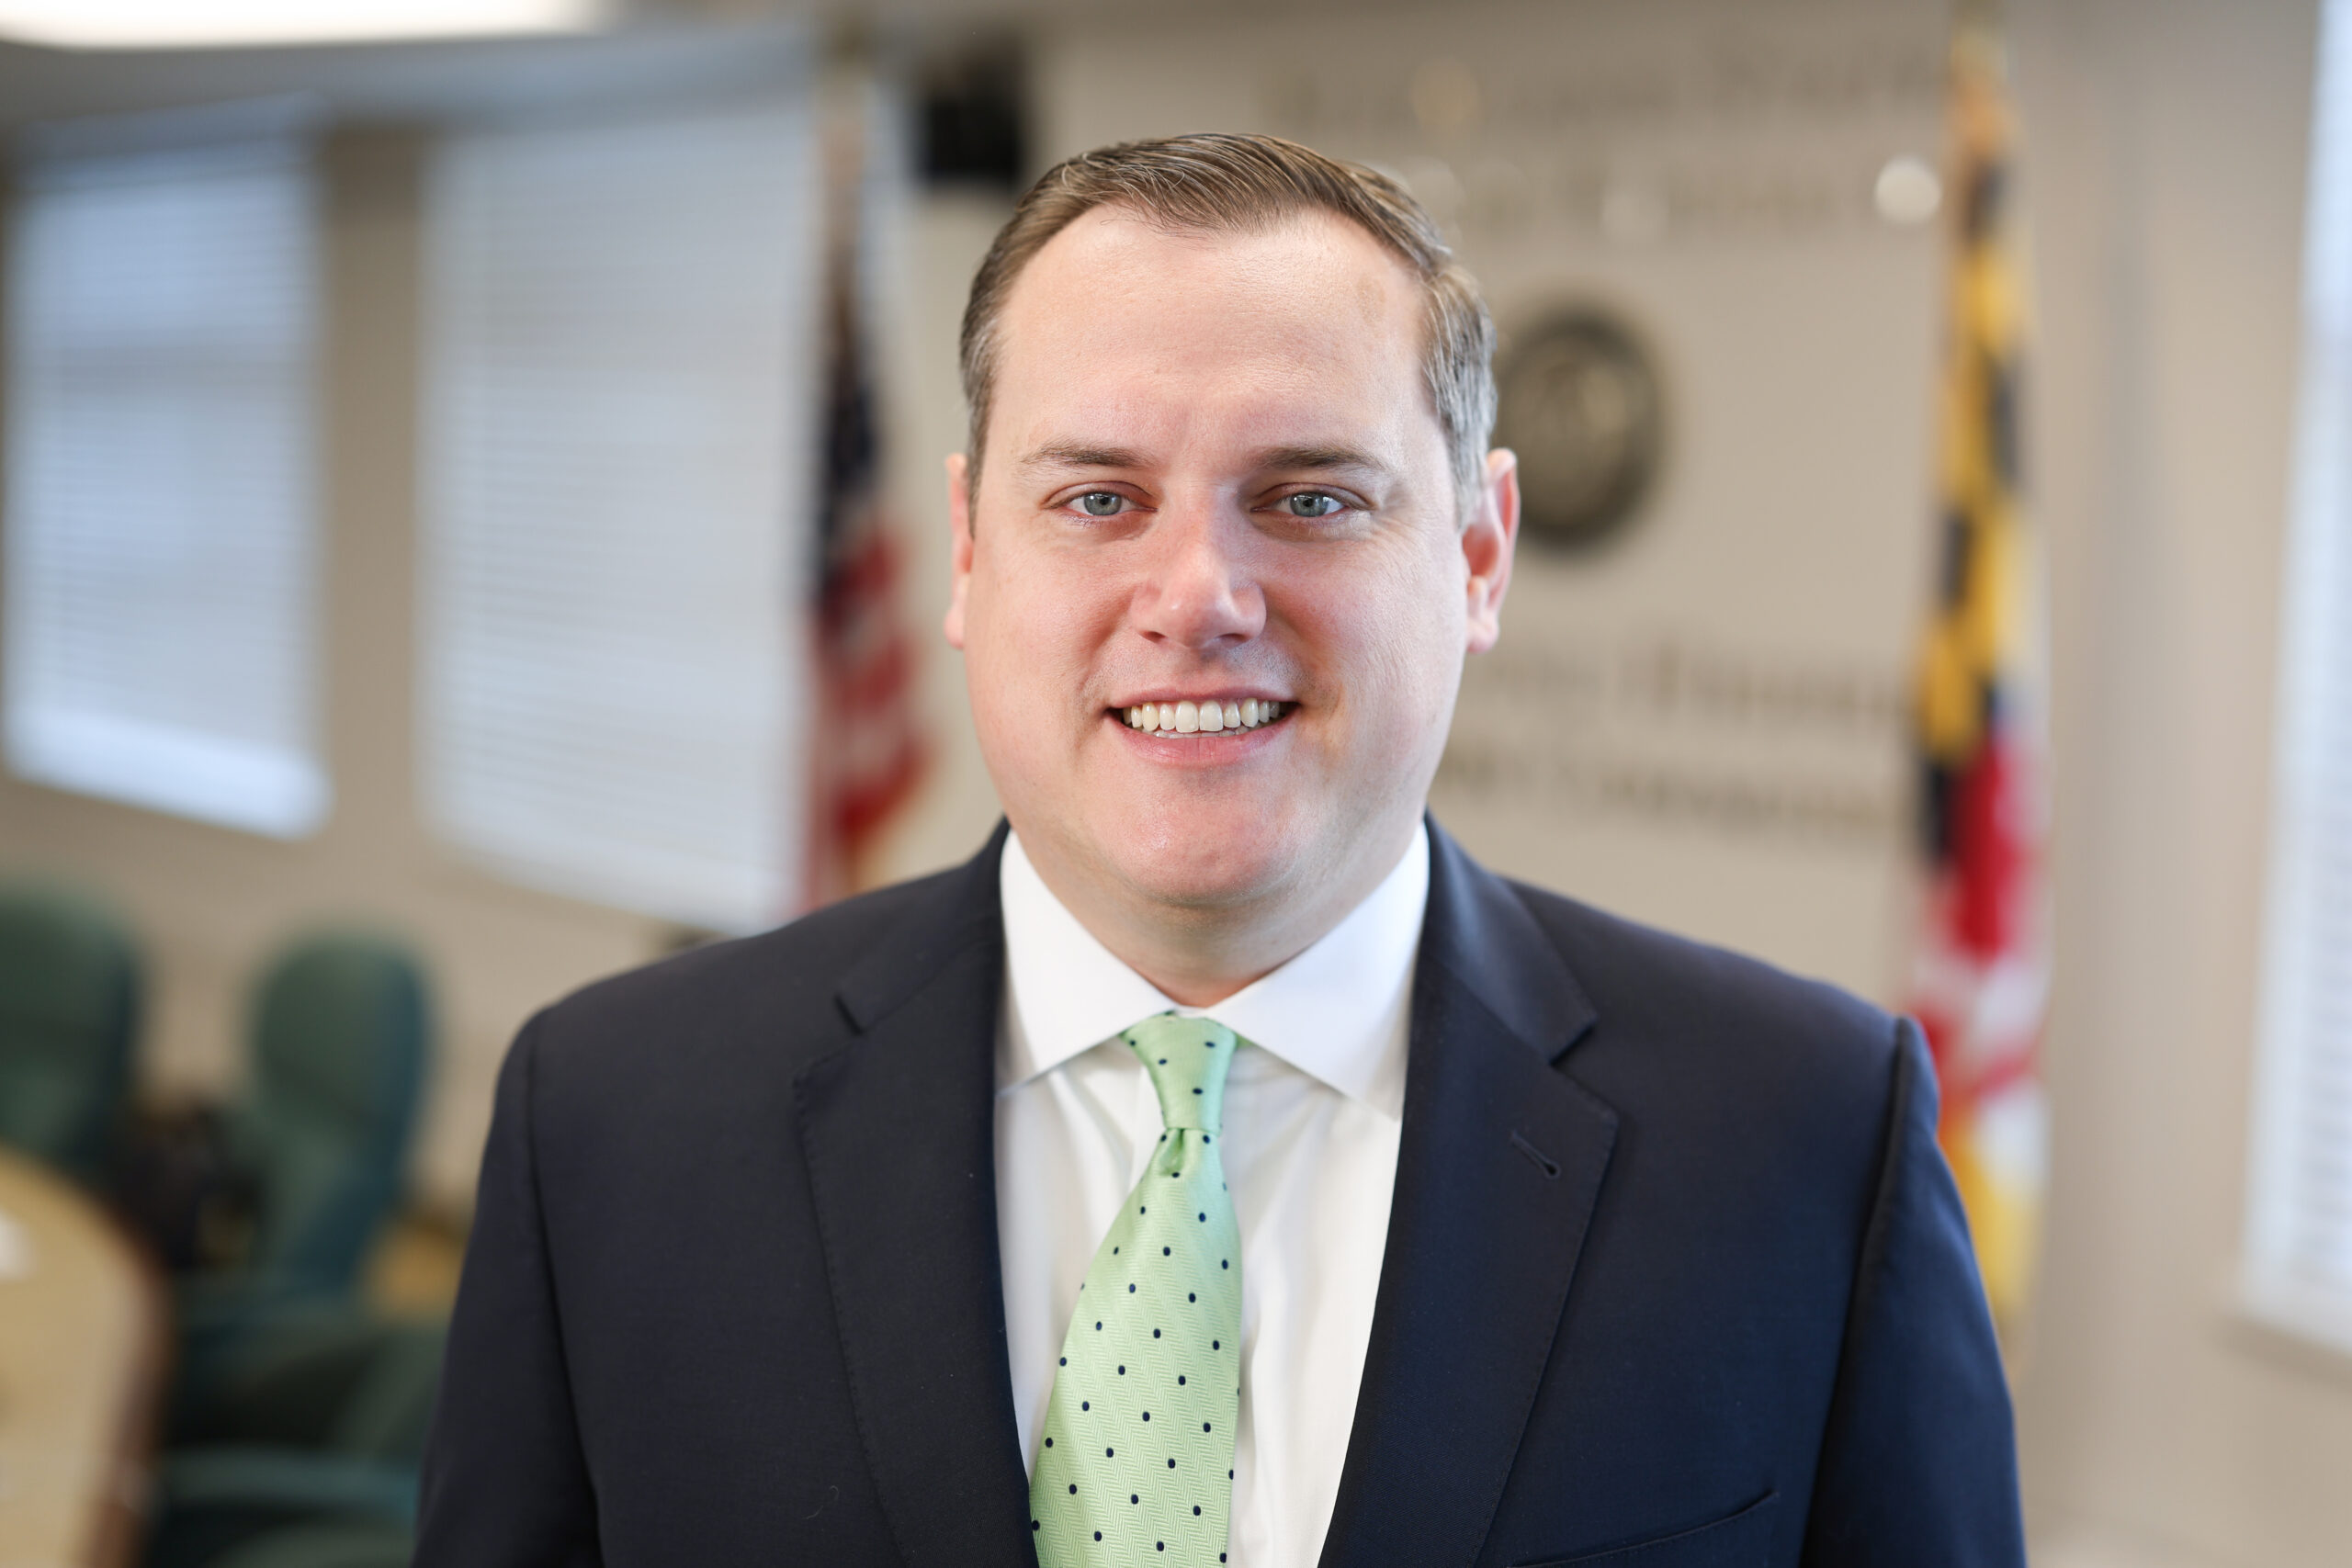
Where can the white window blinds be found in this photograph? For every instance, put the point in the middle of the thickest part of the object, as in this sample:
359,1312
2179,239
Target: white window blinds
2299,1254
618,415
161,548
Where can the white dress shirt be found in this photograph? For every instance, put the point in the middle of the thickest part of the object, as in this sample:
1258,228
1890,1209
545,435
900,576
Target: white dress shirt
1313,1108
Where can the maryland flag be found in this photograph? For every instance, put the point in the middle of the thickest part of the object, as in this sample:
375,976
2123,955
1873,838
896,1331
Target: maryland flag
870,749
1981,969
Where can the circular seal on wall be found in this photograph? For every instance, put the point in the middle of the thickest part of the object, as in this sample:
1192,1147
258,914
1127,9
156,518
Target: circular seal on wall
1580,402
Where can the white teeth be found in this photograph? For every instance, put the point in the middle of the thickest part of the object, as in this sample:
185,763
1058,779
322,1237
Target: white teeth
1202,718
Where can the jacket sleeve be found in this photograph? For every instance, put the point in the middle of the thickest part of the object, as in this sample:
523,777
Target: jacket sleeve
1918,1465
505,1482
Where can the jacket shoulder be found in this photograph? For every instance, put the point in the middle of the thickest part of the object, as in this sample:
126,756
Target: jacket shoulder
778,988
1626,965
1682,1021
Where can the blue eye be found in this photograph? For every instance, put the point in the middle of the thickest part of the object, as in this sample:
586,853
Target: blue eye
1312,503
1100,503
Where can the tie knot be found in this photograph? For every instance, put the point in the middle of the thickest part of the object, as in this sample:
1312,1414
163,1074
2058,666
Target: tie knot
1187,1058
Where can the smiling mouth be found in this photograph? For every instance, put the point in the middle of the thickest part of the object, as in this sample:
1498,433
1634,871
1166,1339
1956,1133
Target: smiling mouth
1202,718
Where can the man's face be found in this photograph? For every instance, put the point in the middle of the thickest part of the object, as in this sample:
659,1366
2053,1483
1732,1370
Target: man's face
1214,476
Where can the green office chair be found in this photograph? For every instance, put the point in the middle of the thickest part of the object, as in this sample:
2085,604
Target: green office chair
339,1045
69,994
338,1066
296,1410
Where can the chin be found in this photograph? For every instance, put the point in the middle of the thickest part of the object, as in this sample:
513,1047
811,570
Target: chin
1211,865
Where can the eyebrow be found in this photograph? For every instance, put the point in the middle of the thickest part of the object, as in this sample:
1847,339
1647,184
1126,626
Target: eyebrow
1321,458
1077,454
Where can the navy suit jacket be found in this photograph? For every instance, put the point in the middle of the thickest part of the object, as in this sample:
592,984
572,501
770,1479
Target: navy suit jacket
1674,1277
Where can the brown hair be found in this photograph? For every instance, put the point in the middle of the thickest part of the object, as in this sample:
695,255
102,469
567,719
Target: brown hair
1215,182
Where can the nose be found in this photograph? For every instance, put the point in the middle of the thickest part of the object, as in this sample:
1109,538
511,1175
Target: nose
1198,592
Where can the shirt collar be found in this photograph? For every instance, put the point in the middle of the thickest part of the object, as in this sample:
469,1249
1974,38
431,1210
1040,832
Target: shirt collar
1337,1011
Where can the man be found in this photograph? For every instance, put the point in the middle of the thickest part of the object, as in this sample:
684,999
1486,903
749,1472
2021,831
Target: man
1221,1167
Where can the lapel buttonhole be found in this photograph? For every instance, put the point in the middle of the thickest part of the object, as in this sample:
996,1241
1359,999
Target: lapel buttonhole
1543,1162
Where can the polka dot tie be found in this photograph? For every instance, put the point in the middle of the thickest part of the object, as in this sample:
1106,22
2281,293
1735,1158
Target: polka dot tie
1137,1461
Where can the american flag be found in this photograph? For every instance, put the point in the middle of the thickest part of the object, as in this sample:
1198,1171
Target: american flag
1980,969
868,748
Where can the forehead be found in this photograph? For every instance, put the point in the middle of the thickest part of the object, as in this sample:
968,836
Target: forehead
1117,320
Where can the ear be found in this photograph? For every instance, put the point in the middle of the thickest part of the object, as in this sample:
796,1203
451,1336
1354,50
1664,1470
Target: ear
1487,542
959,545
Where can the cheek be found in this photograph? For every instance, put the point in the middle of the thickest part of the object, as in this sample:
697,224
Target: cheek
1031,623
1401,627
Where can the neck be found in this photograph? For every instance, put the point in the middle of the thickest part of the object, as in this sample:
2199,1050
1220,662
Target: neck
1198,953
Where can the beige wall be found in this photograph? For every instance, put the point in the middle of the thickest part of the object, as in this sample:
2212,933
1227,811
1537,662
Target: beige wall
2166,169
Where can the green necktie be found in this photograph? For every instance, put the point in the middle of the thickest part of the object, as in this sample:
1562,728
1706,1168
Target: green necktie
1137,1461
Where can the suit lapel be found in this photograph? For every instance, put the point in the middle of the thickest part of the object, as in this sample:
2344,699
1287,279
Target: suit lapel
899,1131
1499,1169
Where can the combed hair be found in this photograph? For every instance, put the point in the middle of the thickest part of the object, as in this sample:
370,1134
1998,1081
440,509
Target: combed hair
1213,183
